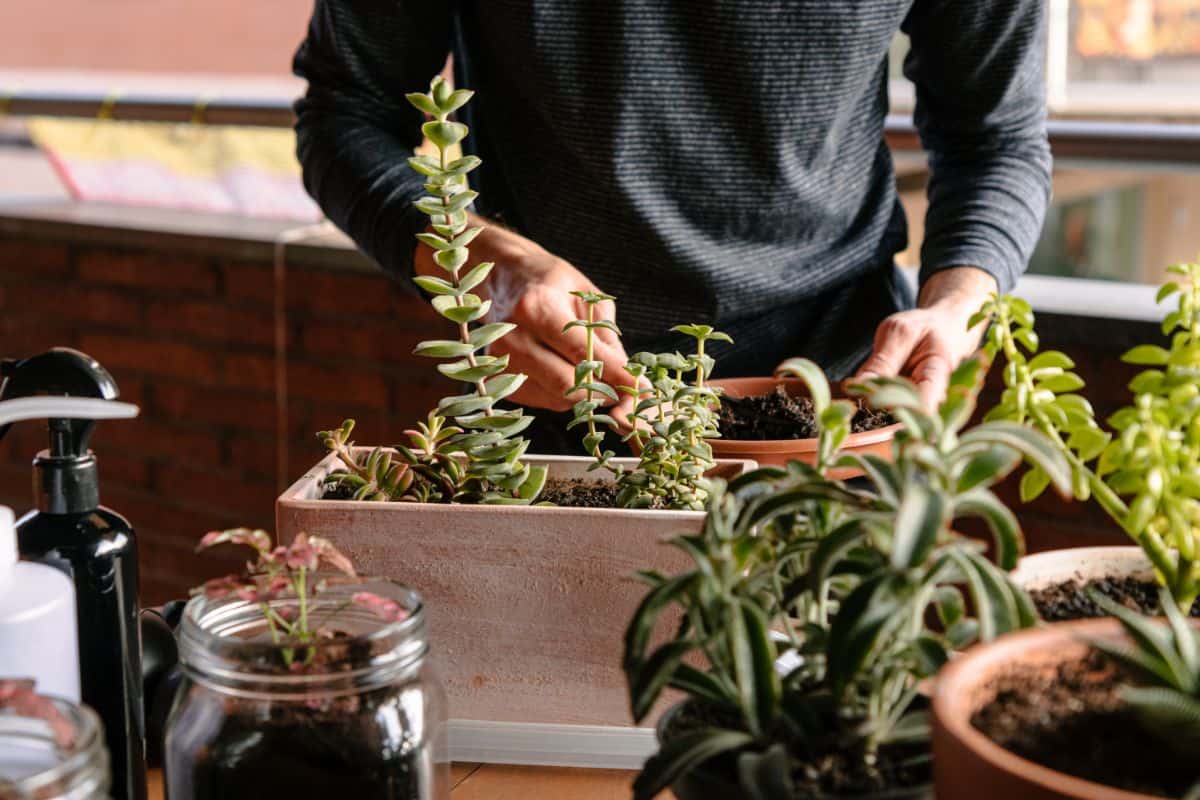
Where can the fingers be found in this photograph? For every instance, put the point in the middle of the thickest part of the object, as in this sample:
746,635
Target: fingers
550,376
547,324
931,374
895,340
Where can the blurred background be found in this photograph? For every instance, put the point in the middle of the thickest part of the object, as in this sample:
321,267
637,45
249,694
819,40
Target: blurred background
151,214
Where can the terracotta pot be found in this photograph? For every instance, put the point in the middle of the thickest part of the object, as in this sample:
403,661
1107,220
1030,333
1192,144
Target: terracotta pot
527,606
780,451
967,765
1082,564
708,784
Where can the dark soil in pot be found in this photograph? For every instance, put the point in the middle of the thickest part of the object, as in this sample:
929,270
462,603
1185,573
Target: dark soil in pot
778,415
297,752
901,773
1073,720
1069,600
579,493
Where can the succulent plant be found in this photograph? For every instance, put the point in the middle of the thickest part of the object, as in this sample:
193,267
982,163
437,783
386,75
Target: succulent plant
673,416
837,583
1146,474
1164,659
289,571
480,461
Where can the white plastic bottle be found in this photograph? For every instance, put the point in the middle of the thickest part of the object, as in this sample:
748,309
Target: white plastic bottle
37,620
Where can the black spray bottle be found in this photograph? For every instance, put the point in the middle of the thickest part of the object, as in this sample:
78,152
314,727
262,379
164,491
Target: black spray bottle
71,531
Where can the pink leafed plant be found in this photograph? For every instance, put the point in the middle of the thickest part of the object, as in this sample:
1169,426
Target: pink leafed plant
279,572
19,697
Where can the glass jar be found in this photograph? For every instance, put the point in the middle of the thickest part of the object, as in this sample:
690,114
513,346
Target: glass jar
60,760
368,723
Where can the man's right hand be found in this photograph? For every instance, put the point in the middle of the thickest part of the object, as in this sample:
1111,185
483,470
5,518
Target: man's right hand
532,288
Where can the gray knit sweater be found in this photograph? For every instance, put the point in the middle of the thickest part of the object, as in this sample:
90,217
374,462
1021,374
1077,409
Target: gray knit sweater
704,160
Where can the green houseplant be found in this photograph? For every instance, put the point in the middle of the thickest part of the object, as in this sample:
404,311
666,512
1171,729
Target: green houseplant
1146,473
804,621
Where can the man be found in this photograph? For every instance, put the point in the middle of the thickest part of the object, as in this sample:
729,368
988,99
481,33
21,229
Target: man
704,161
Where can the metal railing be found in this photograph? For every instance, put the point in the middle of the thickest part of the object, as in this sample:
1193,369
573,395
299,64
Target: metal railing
1136,142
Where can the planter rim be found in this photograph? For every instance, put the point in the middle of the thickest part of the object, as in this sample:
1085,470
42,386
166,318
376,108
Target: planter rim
1062,640
1080,563
741,387
293,495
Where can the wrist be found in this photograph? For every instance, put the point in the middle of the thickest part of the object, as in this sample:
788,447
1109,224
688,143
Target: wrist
962,289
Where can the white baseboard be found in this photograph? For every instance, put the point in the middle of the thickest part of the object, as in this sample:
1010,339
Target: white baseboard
548,745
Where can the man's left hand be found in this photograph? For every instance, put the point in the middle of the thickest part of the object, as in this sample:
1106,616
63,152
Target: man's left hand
930,341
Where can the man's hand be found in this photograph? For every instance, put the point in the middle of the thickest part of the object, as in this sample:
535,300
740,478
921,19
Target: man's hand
930,341
532,287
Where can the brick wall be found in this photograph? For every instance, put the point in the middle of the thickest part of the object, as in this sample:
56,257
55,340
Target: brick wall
192,341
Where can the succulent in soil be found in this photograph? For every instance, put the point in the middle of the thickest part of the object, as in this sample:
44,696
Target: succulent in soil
279,572
1145,473
674,415
475,453
841,584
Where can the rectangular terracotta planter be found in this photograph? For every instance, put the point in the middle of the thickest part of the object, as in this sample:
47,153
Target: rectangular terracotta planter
527,606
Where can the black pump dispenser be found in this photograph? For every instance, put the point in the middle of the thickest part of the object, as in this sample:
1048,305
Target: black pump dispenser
94,546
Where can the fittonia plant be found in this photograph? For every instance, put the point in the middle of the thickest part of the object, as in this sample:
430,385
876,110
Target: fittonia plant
1147,475
469,450
673,416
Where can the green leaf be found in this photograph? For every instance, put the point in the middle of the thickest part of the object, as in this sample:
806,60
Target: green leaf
1006,531
987,467
813,378
1051,359
463,371
451,259
435,286
460,201
831,551
1166,290
443,348
484,335
641,625
475,276
682,754
463,404
1037,449
1147,354
701,685
856,627
919,519
1033,483
443,134
466,308
653,675
1066,382
423,102
949,603
502,386
461,166
457,99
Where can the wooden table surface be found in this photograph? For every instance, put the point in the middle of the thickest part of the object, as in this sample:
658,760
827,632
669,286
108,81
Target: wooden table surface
502,782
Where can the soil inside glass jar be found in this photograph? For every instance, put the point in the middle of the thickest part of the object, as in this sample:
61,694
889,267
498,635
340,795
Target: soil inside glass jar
1073,721
777,415
1069,599
299,752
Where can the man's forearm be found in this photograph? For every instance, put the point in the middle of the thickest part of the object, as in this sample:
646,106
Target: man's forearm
957,287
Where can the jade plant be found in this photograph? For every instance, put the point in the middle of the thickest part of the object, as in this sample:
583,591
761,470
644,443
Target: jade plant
469,450
290,571
807,621
673,415
1146,473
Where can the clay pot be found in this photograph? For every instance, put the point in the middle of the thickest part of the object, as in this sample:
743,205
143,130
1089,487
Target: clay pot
527,606
780,451
967,765
1082,564
707,784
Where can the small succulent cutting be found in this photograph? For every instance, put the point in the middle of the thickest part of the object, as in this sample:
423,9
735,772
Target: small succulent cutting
807,618
674,415
1146,473
289,572
468,450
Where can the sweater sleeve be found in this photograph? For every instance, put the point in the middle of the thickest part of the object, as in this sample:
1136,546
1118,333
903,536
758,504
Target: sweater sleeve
354,129
979,71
